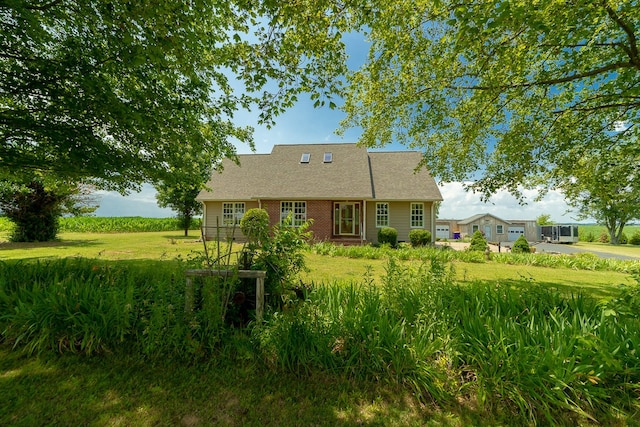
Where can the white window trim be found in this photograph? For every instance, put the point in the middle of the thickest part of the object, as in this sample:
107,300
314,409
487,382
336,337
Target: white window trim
296,221
236,213
501,229
422,221
388,215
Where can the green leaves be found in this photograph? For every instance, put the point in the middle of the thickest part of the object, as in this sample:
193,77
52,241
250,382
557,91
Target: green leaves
117,91
496,92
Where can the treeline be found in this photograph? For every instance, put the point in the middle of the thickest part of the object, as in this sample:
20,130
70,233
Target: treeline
87,224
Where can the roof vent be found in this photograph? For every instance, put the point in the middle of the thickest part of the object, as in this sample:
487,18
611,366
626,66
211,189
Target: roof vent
305,157
328,157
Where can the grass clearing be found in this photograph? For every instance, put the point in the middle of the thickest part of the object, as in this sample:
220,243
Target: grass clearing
121,390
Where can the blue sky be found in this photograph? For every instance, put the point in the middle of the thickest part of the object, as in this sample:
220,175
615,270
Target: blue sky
304,124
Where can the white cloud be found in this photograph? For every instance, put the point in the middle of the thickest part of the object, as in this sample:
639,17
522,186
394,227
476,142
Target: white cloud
142,203
460,204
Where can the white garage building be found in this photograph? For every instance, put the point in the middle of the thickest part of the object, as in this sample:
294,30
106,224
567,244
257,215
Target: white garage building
494,229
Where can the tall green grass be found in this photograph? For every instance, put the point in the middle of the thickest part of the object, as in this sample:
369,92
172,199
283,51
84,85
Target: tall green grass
529,355
534,354
93,307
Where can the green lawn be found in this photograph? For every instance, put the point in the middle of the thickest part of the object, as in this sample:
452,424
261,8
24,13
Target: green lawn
171,245
112,390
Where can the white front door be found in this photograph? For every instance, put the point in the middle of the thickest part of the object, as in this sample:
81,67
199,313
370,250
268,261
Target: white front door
347,219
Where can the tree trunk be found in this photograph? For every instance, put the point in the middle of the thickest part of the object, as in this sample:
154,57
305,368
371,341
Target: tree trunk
187,223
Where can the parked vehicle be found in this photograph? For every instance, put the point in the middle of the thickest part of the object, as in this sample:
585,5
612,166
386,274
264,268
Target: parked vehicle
558,233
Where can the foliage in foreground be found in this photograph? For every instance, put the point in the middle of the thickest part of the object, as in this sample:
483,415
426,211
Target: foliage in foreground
533,354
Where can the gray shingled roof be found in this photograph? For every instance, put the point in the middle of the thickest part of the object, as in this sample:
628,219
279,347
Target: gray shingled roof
353,173
479,216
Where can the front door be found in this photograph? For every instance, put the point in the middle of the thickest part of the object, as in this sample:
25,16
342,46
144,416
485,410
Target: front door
346,219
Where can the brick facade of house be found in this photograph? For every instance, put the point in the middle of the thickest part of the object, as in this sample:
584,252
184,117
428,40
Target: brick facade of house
320,211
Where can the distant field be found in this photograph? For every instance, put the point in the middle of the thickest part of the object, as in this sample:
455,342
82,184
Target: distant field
90,224
584,231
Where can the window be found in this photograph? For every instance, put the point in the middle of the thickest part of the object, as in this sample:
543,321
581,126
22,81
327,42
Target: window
328,157
417,215
298,210
232,213
474,228
382,215
305,157
499,229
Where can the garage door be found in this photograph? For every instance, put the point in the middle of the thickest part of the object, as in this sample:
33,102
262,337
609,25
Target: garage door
515,232
442,231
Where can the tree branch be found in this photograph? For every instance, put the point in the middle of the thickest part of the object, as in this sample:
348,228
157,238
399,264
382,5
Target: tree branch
632,49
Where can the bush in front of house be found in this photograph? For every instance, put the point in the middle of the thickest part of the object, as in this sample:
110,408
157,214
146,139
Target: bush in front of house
478,242
255,225
520,246
419,237
388,235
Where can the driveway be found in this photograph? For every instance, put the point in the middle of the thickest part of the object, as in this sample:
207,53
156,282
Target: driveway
570,249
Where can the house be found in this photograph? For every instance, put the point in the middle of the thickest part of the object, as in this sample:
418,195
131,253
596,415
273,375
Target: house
494,229
349,192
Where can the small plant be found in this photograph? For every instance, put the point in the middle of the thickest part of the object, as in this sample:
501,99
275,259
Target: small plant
521,246
635,238
419,237
478,242
623,240
604,237
388,235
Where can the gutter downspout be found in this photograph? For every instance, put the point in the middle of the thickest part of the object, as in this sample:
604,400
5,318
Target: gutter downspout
433,222
363,229
203,225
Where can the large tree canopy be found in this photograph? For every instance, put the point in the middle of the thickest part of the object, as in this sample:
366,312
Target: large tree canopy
510,88
111,89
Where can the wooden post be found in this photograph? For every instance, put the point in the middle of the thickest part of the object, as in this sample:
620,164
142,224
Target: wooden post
259,298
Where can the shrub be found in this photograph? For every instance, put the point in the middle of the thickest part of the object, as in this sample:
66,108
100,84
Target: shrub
255,225
388,235
419,237
635,238
604,237
478,242
520,246
623,240
589,237
281,256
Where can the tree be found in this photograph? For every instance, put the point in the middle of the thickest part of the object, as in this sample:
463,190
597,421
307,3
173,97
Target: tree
180,188
544,219
35,206
509,88
113,89
606,186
